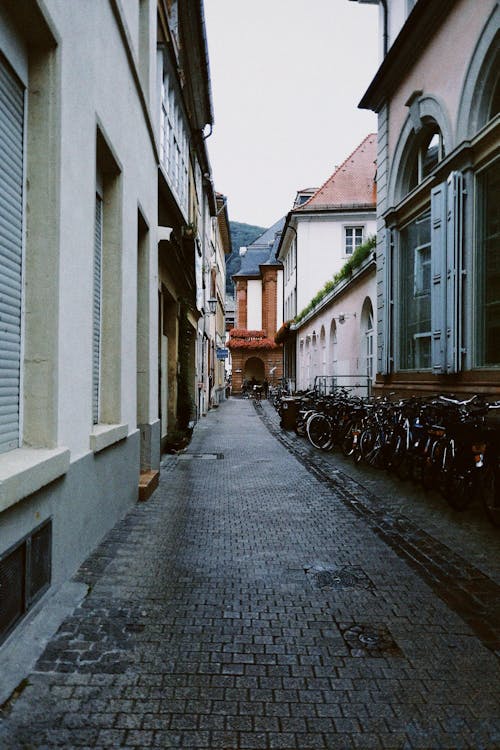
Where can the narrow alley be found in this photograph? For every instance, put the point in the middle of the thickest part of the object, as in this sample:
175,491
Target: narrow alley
262,598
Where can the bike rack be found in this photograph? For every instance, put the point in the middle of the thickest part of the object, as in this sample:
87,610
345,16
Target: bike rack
328,385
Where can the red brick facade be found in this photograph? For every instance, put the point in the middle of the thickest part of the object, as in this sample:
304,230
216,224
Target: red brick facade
250,359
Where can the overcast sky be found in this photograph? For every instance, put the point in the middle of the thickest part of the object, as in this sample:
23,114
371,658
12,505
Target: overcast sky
287,76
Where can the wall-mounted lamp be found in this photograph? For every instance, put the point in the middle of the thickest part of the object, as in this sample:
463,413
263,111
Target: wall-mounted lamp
342,317
212,306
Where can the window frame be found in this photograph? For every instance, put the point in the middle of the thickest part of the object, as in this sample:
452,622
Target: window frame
478,273
352,226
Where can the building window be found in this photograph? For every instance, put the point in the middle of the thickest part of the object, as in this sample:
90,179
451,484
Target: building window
367,342
174,147
488,269
11,253
353,238
429,151
415,294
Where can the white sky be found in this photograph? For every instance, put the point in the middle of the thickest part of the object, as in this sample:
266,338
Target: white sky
287,76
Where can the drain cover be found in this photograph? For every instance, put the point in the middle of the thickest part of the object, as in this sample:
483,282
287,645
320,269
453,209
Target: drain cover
348,577
369,640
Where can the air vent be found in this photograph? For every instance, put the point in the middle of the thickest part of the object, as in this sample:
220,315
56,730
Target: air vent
25,574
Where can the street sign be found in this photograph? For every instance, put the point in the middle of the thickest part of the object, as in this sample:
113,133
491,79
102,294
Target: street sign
222,353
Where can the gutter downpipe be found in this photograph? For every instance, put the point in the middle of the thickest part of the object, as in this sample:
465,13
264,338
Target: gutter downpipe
385,37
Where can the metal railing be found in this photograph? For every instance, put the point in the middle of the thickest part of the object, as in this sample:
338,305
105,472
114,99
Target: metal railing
357,385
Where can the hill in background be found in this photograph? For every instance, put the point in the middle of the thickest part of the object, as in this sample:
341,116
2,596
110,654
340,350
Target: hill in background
241,236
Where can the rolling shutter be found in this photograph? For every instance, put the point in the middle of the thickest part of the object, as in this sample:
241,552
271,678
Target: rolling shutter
96,332
11,245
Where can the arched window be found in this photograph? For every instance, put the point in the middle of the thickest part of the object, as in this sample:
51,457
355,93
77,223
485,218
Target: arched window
333,348
367,339
322,346
424,153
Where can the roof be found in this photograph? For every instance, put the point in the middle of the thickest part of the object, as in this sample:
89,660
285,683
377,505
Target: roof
352,185
261,252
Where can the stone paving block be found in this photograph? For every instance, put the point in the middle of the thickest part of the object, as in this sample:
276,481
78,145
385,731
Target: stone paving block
202,629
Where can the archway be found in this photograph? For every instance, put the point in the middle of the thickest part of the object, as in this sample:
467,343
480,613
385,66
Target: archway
254,368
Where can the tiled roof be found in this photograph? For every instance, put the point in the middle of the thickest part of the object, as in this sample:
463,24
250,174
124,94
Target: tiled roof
352,184
261,252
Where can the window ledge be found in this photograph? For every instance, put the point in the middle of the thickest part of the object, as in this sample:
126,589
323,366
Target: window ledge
26,470
104,435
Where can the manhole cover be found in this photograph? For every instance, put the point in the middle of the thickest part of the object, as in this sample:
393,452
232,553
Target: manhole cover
339,578
369,640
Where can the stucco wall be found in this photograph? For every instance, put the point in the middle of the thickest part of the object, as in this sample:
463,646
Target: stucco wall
254,304
320,250
441,71
316,355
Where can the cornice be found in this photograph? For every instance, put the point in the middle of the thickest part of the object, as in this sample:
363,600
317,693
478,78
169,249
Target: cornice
421,25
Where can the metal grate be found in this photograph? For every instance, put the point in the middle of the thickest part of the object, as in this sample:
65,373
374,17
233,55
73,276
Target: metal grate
40,561
25,573
12,588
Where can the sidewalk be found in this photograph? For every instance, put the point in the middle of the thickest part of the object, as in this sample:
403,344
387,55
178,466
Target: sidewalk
252,603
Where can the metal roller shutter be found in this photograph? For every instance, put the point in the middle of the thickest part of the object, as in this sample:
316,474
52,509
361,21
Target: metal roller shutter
11,241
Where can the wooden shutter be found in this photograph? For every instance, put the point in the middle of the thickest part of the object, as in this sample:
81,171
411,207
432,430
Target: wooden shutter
454,255
11,244
438,280
386,363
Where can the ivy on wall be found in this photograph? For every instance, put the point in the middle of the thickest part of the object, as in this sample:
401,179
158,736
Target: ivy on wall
359,255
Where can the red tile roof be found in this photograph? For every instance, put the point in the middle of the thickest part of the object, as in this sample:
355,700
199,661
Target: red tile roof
352,184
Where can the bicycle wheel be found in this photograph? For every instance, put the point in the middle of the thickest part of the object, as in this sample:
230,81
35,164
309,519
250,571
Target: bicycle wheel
490,494
350,439
370,446
460,487
319,432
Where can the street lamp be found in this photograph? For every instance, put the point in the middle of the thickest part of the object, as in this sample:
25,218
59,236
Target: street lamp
212,305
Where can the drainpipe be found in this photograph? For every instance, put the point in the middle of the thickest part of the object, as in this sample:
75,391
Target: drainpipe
385,24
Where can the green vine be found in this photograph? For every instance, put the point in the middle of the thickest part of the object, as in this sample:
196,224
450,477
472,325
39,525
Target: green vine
359,255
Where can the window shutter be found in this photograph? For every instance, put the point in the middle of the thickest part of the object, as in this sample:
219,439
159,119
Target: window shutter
438,282
387,308
96,333
454,241
11,244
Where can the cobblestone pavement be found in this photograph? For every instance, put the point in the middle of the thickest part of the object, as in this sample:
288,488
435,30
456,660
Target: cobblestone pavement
261,600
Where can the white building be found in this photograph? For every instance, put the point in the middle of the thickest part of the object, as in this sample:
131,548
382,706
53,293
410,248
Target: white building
321,234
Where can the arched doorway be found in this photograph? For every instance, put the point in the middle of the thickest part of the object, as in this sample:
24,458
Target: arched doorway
254,368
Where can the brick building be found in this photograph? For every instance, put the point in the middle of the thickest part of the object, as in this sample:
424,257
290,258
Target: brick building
258,315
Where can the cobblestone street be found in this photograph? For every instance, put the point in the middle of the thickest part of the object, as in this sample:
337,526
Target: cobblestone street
269,596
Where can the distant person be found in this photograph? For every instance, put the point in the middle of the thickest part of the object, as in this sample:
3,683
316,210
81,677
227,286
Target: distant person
266,388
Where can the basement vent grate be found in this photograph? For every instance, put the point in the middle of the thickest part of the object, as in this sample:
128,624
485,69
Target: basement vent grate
25,574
